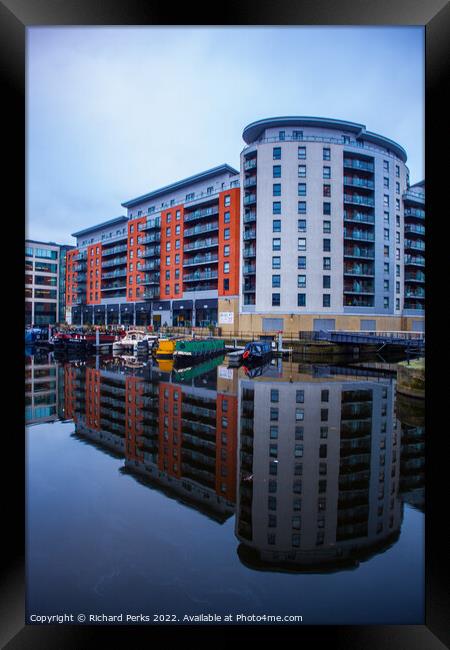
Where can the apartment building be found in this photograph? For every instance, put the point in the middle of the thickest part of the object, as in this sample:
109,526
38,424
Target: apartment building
44,282
326,223
166,262
320,229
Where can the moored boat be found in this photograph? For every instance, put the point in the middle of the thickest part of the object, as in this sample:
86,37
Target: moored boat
189,348
257,351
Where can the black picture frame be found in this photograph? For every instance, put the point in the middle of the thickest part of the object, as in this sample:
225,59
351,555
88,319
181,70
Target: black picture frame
15,17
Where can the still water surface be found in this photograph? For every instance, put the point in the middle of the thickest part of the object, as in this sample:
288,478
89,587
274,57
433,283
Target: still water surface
153,491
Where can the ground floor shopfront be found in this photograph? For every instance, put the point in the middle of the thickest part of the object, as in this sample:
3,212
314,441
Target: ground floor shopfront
157,313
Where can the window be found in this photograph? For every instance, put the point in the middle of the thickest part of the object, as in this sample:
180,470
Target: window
397,270
327,208
302,189
301,245
327,245
167,289
177,229
326,153
302,171
301,300
226,267
274,416
327,226
282,135
226,284
297,135
302,207
226,251
397,287
226,233
277,171
167,275
277,153
299,397
276,225
326,189
386,251
301,262
326,300
302,153
397,303
326,172
168,260
169,215
386,267
301,281
276,281
386,200
386,285
386,165
386,182
209,190
276,262
275,300
397,204
386,302
276,244
168,246
386,217
301,225
397,188
177,258
397,238
227,200
177,244
226,217
276,207
327,263
386,234
326,282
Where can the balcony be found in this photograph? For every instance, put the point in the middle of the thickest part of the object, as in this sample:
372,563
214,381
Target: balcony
359,200
411,260
415,212
196,230
415,293
250,182
249,234
414,229
363,235
416,245
152,223
356,181
114,274
358,301
419,276
359,287
201,244
363,253
152,278
150,294
360,217
150,266
150,238
115,262
201,214
152,251
195,277
250,164
249,269
249,217
115,285
410,304
249,252
416,197
249,199
362,270
358,164
114,250
200,259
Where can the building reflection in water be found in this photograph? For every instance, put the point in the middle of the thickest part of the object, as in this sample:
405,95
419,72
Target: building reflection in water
314,464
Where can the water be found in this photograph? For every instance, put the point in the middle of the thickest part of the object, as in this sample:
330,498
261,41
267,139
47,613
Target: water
298,491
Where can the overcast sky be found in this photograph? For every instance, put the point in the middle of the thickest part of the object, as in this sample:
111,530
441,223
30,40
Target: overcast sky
113,113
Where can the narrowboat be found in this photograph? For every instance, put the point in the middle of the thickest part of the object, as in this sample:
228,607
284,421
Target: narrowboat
256,351
189,349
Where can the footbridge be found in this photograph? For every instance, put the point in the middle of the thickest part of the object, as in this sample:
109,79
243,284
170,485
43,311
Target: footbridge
406,340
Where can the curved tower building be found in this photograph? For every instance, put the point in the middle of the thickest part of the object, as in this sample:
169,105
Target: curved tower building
323,230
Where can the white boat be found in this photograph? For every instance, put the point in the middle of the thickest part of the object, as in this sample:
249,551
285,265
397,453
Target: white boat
135,341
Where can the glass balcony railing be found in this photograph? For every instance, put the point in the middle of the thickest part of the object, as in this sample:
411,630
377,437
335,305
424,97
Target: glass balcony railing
195,277
196,230
416,245
356,181
250,182
200,259
114,274
360,217
249,234
249,199
249,269
353,163
249,217
249,252
415,212
414,229
150,238
150,266
359,269
114,250
250,164
367,253
359,200
201,214
114,262
359,234
414,260
201,243
415,277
